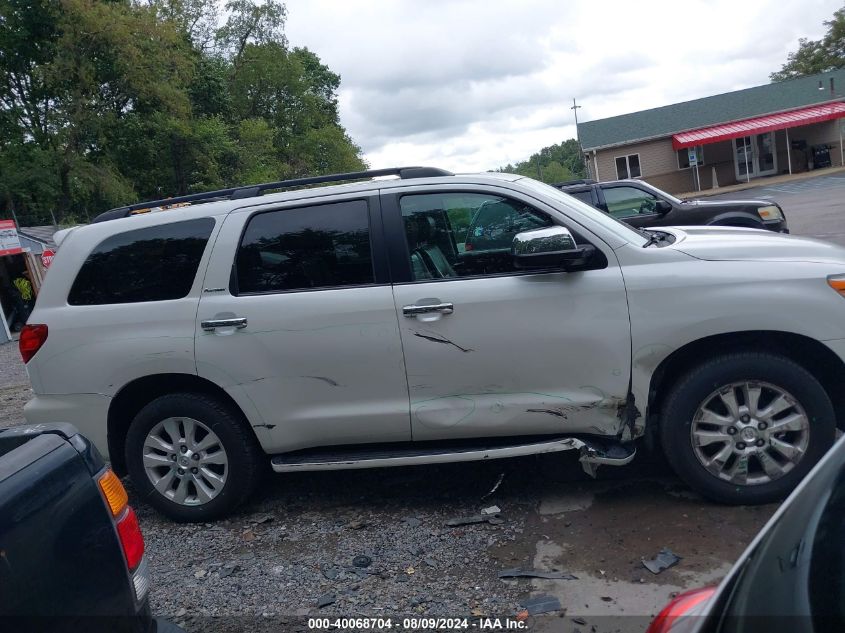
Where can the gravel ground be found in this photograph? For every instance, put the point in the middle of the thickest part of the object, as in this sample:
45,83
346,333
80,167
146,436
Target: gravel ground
12,371
14,385
295,548
358,543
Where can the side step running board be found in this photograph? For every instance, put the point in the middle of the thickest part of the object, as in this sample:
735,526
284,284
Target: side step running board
593,454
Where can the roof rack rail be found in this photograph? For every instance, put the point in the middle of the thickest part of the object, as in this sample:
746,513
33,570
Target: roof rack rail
249,191
571,183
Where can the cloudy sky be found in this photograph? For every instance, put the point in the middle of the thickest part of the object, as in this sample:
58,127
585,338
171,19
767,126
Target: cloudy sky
472,85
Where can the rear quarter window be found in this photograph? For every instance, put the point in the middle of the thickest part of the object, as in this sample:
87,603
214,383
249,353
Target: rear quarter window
155,263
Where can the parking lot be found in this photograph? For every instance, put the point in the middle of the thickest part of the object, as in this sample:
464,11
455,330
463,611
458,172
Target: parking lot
376,542
813,207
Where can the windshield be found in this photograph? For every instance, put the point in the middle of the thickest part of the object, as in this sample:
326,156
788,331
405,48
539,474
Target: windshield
619,228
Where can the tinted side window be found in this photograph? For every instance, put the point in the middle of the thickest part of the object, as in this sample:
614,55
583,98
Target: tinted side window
623,202
150,264
583,196
308,247
464,234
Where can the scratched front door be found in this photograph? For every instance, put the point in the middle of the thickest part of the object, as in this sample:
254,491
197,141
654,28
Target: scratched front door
495,351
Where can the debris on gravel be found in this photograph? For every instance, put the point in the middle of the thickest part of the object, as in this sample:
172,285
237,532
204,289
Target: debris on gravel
326,600
665,559
487,515
336,545
541,604
534,573
362,561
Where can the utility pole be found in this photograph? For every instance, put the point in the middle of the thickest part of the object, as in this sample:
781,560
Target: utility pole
574,108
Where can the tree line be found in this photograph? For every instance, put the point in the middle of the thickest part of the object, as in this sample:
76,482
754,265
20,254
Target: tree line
107,102
555,163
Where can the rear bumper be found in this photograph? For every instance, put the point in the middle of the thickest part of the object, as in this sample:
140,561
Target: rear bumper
88,412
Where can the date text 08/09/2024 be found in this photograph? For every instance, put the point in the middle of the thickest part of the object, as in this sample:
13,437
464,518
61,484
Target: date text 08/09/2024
418,624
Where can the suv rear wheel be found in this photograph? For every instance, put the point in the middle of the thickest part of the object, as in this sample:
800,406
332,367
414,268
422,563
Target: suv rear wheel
745,428
191,457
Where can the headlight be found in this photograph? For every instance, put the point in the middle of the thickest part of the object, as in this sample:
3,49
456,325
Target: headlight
771,212
837,282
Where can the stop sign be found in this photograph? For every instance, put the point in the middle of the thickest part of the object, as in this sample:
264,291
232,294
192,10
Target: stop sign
47,258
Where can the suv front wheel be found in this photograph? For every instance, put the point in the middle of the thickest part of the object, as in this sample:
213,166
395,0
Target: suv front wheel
191,457
745,428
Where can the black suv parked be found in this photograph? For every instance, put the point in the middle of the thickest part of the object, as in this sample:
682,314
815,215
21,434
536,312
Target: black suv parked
639,204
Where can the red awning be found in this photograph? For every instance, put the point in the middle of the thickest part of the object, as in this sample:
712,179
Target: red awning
759,125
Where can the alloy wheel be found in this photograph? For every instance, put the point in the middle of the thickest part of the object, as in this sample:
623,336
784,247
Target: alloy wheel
185,461
750,433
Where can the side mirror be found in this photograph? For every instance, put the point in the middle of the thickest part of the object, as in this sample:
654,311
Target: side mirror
553,247
662,207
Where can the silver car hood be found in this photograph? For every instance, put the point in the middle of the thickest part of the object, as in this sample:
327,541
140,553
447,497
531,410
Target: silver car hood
715,243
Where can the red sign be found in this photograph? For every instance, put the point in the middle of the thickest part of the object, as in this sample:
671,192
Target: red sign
47,258
10,244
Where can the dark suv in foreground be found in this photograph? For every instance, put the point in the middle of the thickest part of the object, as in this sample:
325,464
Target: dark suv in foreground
639,204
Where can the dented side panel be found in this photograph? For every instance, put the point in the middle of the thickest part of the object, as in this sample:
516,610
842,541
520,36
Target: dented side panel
520,355
310,368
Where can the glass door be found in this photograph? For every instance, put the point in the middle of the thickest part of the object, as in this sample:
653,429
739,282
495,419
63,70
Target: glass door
764,149
743,158
755,156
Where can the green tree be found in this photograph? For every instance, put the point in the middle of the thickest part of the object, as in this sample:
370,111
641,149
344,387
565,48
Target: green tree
250,22
107,102
817,56
73,70
555,163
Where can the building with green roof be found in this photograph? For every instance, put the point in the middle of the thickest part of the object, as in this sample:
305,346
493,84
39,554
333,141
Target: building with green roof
784,127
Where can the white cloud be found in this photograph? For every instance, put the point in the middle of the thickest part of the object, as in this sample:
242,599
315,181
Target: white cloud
472,85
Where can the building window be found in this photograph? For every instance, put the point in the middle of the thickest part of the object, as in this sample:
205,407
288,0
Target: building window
628,166
684,156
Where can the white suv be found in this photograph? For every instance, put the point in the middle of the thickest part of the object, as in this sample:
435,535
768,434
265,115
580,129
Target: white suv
355,325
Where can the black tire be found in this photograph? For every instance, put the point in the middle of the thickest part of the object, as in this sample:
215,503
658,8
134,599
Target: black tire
696,385
237,439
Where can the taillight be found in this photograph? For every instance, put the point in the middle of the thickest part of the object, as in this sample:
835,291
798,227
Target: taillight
680,606
114,492
31,340
128,531
130,538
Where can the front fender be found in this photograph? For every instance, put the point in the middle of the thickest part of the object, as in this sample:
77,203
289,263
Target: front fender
737,218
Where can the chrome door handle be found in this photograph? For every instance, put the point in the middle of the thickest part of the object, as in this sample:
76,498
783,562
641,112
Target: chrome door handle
414,310
211,324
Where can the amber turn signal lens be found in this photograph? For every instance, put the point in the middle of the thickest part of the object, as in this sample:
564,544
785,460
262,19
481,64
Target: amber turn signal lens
114,492
837,282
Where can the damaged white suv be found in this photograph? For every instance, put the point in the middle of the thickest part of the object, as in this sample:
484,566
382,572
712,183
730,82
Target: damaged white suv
196,339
